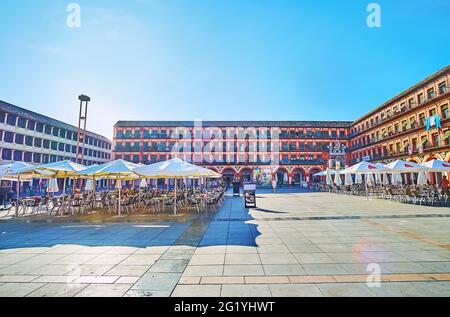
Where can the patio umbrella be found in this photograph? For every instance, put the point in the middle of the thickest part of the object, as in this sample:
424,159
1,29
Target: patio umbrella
348,181
337,178
53,186
175,169
358,179
385,179
422,178
400,166
143,183
61,169
437,166
364,168
119,170
396,179
19,171
328,174
369,179
89,186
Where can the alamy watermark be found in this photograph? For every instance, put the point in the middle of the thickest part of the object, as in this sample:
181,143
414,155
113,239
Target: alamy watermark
74,17
374,17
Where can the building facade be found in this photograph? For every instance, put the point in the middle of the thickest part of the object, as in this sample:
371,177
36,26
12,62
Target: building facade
251,150
34,138
413,126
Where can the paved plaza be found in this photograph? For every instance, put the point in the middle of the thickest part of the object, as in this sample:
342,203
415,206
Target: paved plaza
293,244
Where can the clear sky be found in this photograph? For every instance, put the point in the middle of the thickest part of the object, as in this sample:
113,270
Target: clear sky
216,59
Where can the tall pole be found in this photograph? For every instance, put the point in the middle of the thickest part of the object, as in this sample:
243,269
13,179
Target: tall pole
81,132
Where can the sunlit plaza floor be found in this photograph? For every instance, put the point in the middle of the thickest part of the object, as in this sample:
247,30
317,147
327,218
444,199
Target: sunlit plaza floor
292,244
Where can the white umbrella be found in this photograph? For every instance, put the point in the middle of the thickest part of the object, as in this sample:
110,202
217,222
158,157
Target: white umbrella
348,181
328,179
19,171
118,170
53,185
143,183
176,169
358,179
385,179
369,179
379,176
400,166
437,166
363,168
396,179
337,178
89,186
422,178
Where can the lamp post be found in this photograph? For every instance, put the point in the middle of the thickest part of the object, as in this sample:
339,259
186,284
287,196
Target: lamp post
81,132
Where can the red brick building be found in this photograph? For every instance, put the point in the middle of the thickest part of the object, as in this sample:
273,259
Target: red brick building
413,125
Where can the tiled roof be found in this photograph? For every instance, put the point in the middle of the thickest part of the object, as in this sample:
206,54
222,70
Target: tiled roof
306,124
30,115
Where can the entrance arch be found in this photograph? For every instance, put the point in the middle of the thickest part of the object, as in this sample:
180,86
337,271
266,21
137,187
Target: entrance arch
298,175
312,171
246,175
282,175
229,174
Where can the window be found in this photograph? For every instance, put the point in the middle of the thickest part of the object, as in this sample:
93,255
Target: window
422,119
27,157
39,127
67,148
54,145
2,117
7,154
430,93
61,147
38,142
31,125
442,88
22,123
444,111
11,120
19,139
36,157
29,140
17,155
69,135
9,137
48,129
46,144
420,98
62,133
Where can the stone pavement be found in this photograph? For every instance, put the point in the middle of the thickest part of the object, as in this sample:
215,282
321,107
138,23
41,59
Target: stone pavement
293,244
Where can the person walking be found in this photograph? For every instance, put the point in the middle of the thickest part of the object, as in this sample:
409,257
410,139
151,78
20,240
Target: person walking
274,184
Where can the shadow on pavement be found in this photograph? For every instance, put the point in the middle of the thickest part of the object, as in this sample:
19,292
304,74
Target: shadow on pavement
231,225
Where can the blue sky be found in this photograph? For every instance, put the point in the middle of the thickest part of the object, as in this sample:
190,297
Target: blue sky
216,59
